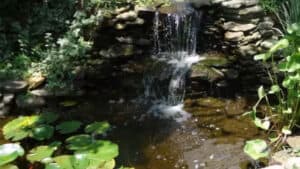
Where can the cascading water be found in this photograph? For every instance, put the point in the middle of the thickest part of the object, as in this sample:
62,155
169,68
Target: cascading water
175,41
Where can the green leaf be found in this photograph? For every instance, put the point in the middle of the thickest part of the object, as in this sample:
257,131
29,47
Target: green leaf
48,117
79,142
263,124
68,127
104,150
264,56
97,127
286,130
42,132
9,166
274,89
256,149
261,92
19,128
10,152
41,153
281,44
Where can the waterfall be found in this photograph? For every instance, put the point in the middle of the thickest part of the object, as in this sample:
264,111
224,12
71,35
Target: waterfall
175,42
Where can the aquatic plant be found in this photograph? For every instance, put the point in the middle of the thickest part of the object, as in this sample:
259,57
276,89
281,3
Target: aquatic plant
79,151
283,115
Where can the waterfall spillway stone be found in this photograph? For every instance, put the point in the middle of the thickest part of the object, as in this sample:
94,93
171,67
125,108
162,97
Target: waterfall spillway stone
175,43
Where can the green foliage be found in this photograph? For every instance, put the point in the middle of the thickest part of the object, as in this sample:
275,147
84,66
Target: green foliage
30,126
42,153
270,5
68,127
81,151
288,13
10,152
97,127
256,149
285,114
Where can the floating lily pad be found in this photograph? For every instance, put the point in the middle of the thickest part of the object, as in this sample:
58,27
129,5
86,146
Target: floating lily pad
104,150
69,103
256,149
68,127
42,132
41,153
9,166
19,128
79,142
10,152
48,117
97,127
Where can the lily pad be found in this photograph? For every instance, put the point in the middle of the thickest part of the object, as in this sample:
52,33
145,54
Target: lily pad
69,103
42,132
10,152
68,127
97,127
79,142
41,153
48,117
256,149
19,128
9,166
104,150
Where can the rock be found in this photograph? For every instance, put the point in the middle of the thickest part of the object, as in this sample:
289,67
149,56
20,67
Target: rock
267,44
236,4
4,111
36,80
274,167
203,72
120,51
281,156
266,33
214,59
247,50
56,92
234,36
8,98
13,86
251,10
235,107
292,163
294,142
29,101
265,25
127,16
251,38
238,27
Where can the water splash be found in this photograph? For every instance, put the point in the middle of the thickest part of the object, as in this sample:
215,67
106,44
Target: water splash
175,43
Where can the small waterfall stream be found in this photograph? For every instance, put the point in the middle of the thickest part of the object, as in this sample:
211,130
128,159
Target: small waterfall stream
175,42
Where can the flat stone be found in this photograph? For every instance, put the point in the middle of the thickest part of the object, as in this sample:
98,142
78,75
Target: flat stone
244,128
294,142
281,156
14,86
56,92
265,25
234,36
4,111
202,72
274,167
251,10
237,27
292,163
8,98
236,4
251,38
36,81
267,44
127,16
247,50
29,101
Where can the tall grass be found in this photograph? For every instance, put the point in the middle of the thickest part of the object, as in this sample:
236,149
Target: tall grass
288,13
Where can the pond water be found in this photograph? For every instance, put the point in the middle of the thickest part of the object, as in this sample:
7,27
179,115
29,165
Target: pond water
212,138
